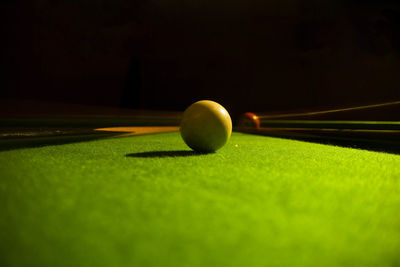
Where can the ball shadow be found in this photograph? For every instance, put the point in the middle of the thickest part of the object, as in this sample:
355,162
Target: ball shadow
166,154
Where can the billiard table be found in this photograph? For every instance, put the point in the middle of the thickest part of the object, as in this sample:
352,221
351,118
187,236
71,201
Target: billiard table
148,200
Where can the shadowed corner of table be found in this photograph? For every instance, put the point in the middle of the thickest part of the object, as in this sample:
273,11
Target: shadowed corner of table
32,142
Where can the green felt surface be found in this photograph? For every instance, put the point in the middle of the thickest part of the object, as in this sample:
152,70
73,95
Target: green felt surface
145,201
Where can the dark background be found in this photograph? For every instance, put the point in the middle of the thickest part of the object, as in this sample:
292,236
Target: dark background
253,55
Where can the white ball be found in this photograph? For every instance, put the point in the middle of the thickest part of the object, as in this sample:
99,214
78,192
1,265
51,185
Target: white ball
206,126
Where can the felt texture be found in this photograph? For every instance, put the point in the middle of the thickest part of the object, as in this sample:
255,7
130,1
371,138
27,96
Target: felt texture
149,201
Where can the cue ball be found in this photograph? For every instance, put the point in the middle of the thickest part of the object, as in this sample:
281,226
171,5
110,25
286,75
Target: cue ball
206,126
